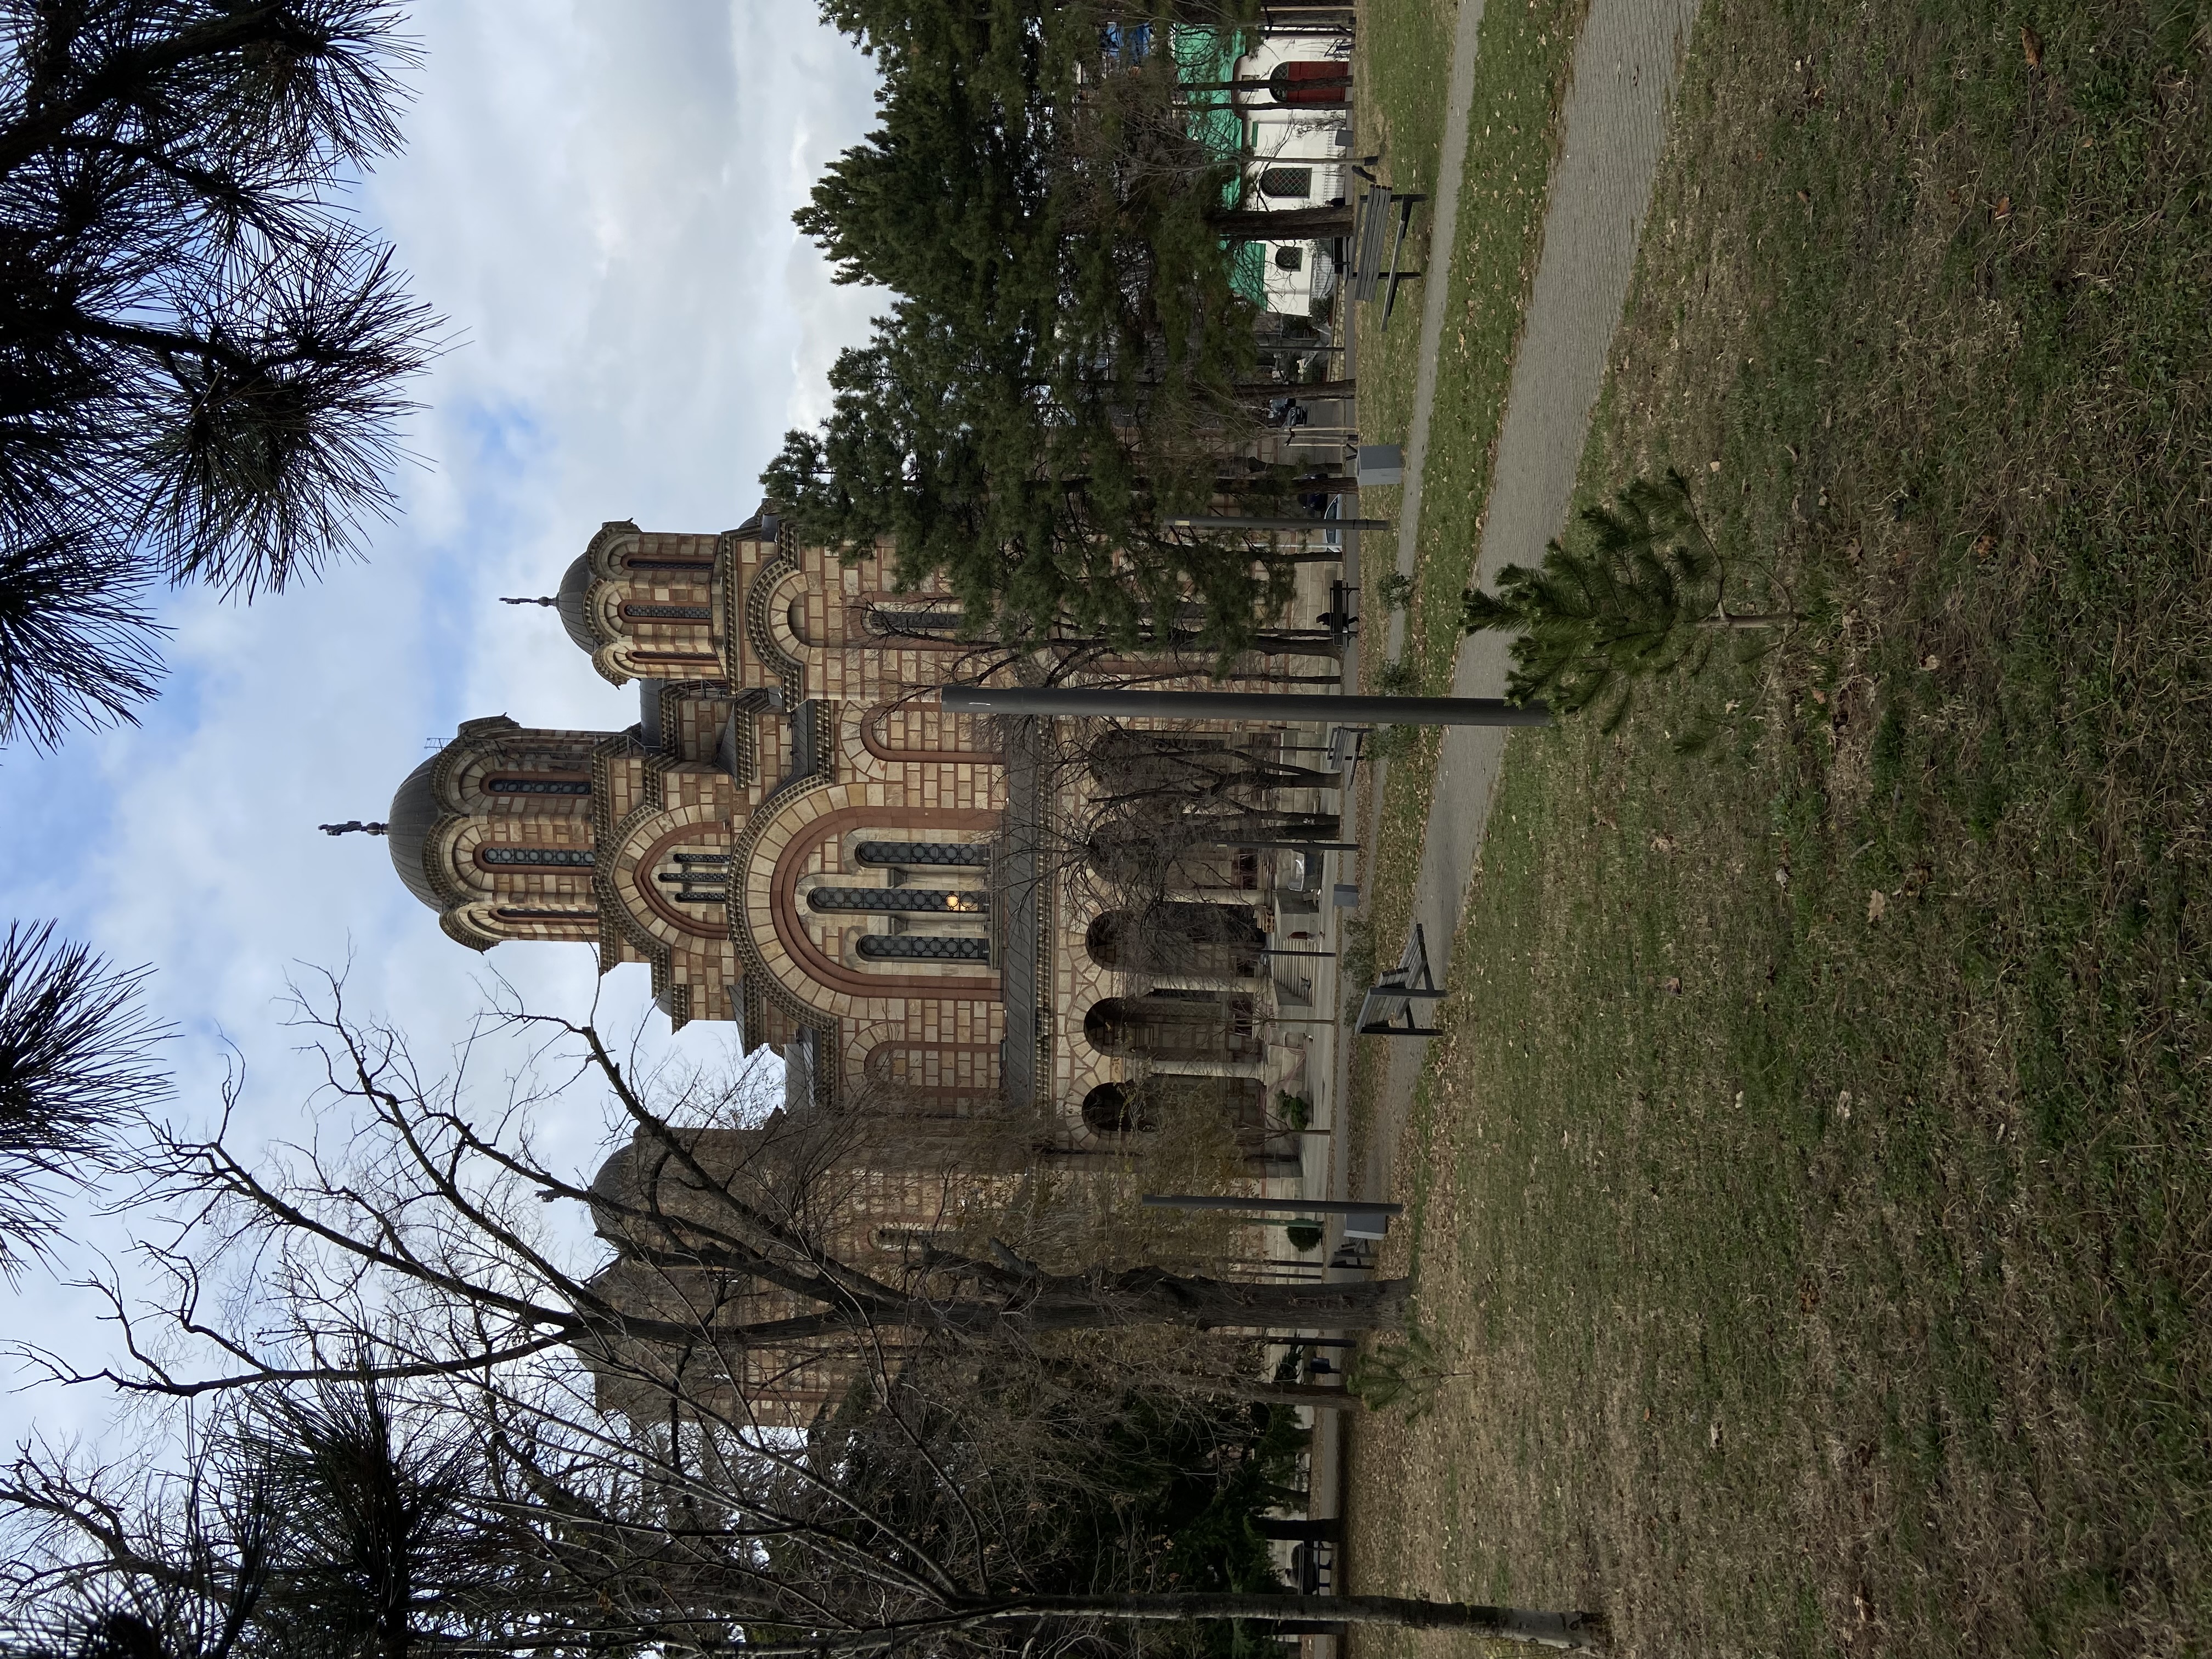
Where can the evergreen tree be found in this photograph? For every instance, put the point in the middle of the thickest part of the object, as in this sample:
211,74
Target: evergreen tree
75,1063
1059,376
200,358
1641,593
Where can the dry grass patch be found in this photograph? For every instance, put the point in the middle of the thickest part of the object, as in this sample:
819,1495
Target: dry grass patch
1816,1177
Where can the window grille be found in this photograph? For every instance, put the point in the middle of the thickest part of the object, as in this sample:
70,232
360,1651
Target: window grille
668,564
668,613
688,882
923,947
916,901
949,855
526,786
544,856
517,914
1286,181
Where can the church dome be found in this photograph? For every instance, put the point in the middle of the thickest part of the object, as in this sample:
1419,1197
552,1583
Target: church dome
575,604
414,810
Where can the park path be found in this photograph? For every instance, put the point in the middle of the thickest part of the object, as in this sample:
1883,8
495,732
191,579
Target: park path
1444,229
1627,62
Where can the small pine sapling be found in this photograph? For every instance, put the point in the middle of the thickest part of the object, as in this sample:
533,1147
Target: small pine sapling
1407,1374
1642,592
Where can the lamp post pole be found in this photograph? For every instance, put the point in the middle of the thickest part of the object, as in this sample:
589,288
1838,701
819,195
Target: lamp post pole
1288,706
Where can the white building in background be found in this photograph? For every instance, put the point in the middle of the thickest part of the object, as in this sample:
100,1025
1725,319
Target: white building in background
1297,130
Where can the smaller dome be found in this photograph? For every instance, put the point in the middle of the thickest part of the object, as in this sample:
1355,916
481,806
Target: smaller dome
575,604
416,810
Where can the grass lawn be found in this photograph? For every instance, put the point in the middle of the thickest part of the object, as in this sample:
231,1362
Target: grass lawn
1524,51
1814,1191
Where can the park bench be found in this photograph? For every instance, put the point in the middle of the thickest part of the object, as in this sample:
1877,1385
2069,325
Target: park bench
1394,993
1368,276
1311,1566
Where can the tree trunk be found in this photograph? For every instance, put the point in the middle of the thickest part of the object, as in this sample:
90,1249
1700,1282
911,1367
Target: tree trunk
1574,1631
1762,619
1321,1399
1035,1303
1319,82
1268,391
1281,225
1150,1296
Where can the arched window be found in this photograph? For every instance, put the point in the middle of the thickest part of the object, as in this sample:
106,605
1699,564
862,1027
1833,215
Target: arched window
946,854
1175,1025
1295,182
914,901
1113,1109
1127,761
668,613
536,786
546,858
923,947
932,621
1290,259
697,566
1119,1108
1178,938
506,915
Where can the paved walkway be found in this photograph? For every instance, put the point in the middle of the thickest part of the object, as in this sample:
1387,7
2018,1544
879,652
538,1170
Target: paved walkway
1627,62
1443,230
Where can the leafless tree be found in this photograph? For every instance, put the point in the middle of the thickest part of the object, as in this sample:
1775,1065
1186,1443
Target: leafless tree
607,1429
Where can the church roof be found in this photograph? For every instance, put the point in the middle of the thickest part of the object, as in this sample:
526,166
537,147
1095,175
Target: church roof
575,604
414,810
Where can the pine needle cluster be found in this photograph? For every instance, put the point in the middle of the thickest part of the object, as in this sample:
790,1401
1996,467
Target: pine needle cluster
201,357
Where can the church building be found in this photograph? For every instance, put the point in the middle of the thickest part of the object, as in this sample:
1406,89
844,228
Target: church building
972,914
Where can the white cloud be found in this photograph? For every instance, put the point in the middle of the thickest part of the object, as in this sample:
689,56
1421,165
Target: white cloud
599,198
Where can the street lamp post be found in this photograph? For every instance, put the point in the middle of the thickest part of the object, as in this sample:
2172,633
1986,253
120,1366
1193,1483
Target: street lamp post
1289,706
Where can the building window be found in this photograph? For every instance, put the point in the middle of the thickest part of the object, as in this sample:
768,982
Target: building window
1296,182
541,856
527,786
697,877
638,562
505,914
935,623
1177,937
1290,259
912,901
923,947
947,855
1111,1109
1175,1025
668,613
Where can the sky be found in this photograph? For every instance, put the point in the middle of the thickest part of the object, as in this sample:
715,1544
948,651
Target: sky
598,197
